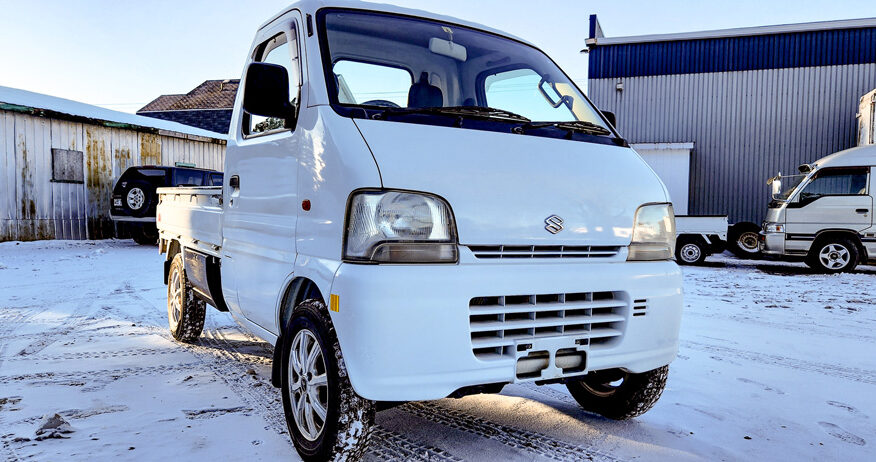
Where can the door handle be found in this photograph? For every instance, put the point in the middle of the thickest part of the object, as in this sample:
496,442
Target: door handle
234,182
863,211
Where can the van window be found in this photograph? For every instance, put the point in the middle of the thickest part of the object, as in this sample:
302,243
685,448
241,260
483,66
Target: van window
518,91
837,182
277,51
372,84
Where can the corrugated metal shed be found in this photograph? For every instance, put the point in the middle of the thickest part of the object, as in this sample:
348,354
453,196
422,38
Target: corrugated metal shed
754,101
42,199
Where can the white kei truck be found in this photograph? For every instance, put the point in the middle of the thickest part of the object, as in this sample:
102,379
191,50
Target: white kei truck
824,215
416,207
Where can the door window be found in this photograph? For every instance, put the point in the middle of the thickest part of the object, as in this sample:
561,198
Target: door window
280,51
372,84
836,182
188,178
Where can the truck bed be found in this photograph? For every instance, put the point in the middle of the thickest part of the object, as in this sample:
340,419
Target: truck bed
192,216
703,224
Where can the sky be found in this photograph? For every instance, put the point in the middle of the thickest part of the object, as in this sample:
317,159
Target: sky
121,55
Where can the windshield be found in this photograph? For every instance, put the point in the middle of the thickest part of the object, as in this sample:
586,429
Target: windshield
789,184
397,64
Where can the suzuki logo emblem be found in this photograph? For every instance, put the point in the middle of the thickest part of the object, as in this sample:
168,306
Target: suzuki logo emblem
553,224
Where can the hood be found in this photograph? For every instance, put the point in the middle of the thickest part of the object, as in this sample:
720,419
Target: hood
502,187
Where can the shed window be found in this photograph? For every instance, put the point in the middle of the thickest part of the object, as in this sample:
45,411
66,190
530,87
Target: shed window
67,166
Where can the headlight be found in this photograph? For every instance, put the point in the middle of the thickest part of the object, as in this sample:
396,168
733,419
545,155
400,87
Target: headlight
653,233
400,227
774,228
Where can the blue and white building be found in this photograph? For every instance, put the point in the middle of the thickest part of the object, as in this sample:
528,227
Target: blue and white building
734,107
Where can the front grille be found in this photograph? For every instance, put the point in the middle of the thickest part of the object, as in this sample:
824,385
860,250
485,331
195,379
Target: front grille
497,324
543,251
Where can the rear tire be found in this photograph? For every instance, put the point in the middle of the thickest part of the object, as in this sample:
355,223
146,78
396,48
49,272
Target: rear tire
145,234
833,255
743,240
598,392
326,418
185,311
690,250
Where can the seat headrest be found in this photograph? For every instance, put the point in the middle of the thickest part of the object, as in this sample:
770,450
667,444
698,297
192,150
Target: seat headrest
424,94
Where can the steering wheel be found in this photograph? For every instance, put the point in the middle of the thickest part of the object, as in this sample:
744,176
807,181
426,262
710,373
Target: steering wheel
380,102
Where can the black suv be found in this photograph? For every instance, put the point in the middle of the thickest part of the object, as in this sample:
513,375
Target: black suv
134,197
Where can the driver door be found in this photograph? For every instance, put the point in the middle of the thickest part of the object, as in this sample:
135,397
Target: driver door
837,198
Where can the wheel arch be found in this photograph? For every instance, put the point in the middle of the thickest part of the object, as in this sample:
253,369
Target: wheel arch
173,248
826,234
298,290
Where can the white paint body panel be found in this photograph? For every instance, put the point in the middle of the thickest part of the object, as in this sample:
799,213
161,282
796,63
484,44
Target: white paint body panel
404,329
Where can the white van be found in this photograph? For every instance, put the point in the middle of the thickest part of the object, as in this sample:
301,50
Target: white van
416,207
825,214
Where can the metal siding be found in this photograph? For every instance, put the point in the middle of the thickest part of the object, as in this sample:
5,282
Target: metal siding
775,51
34,207
746,126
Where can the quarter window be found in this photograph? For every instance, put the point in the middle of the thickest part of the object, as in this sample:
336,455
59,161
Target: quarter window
278,50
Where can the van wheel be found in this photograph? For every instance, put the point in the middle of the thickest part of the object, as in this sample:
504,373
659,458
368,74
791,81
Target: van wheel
617,394
325,416
833,255
185,311
690,250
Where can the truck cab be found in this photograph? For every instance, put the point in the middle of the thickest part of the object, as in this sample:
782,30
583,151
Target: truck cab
417,207
824,214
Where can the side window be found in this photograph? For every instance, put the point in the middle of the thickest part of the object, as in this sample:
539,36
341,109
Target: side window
216,179
518,91
278,50
372,84
188,178
837,182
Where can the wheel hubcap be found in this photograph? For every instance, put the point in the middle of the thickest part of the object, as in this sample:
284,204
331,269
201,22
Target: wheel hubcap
308,384
136,198
748,242
605,383
175,297
690,252
834,256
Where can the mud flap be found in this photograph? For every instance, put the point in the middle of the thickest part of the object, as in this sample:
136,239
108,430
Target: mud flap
276,369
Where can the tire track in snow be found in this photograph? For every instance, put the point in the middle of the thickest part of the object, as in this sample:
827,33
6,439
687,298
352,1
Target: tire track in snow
99,378
517,439
267,402
853,374
97,354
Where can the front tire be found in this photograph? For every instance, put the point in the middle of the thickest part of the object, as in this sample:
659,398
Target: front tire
325,416
833,255
619,395
185,311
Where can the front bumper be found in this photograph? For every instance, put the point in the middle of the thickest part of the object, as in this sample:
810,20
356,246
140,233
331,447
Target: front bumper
406,331
772,243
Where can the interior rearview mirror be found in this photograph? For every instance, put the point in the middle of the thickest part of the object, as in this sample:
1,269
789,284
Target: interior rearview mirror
266,92
447,48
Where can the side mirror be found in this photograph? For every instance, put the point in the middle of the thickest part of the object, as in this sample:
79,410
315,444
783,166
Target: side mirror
266,92
777,186
612,119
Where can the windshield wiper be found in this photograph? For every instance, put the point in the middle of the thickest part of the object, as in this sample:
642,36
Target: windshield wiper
475,111
573,126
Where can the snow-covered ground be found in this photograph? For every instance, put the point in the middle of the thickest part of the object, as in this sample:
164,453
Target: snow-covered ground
776,363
